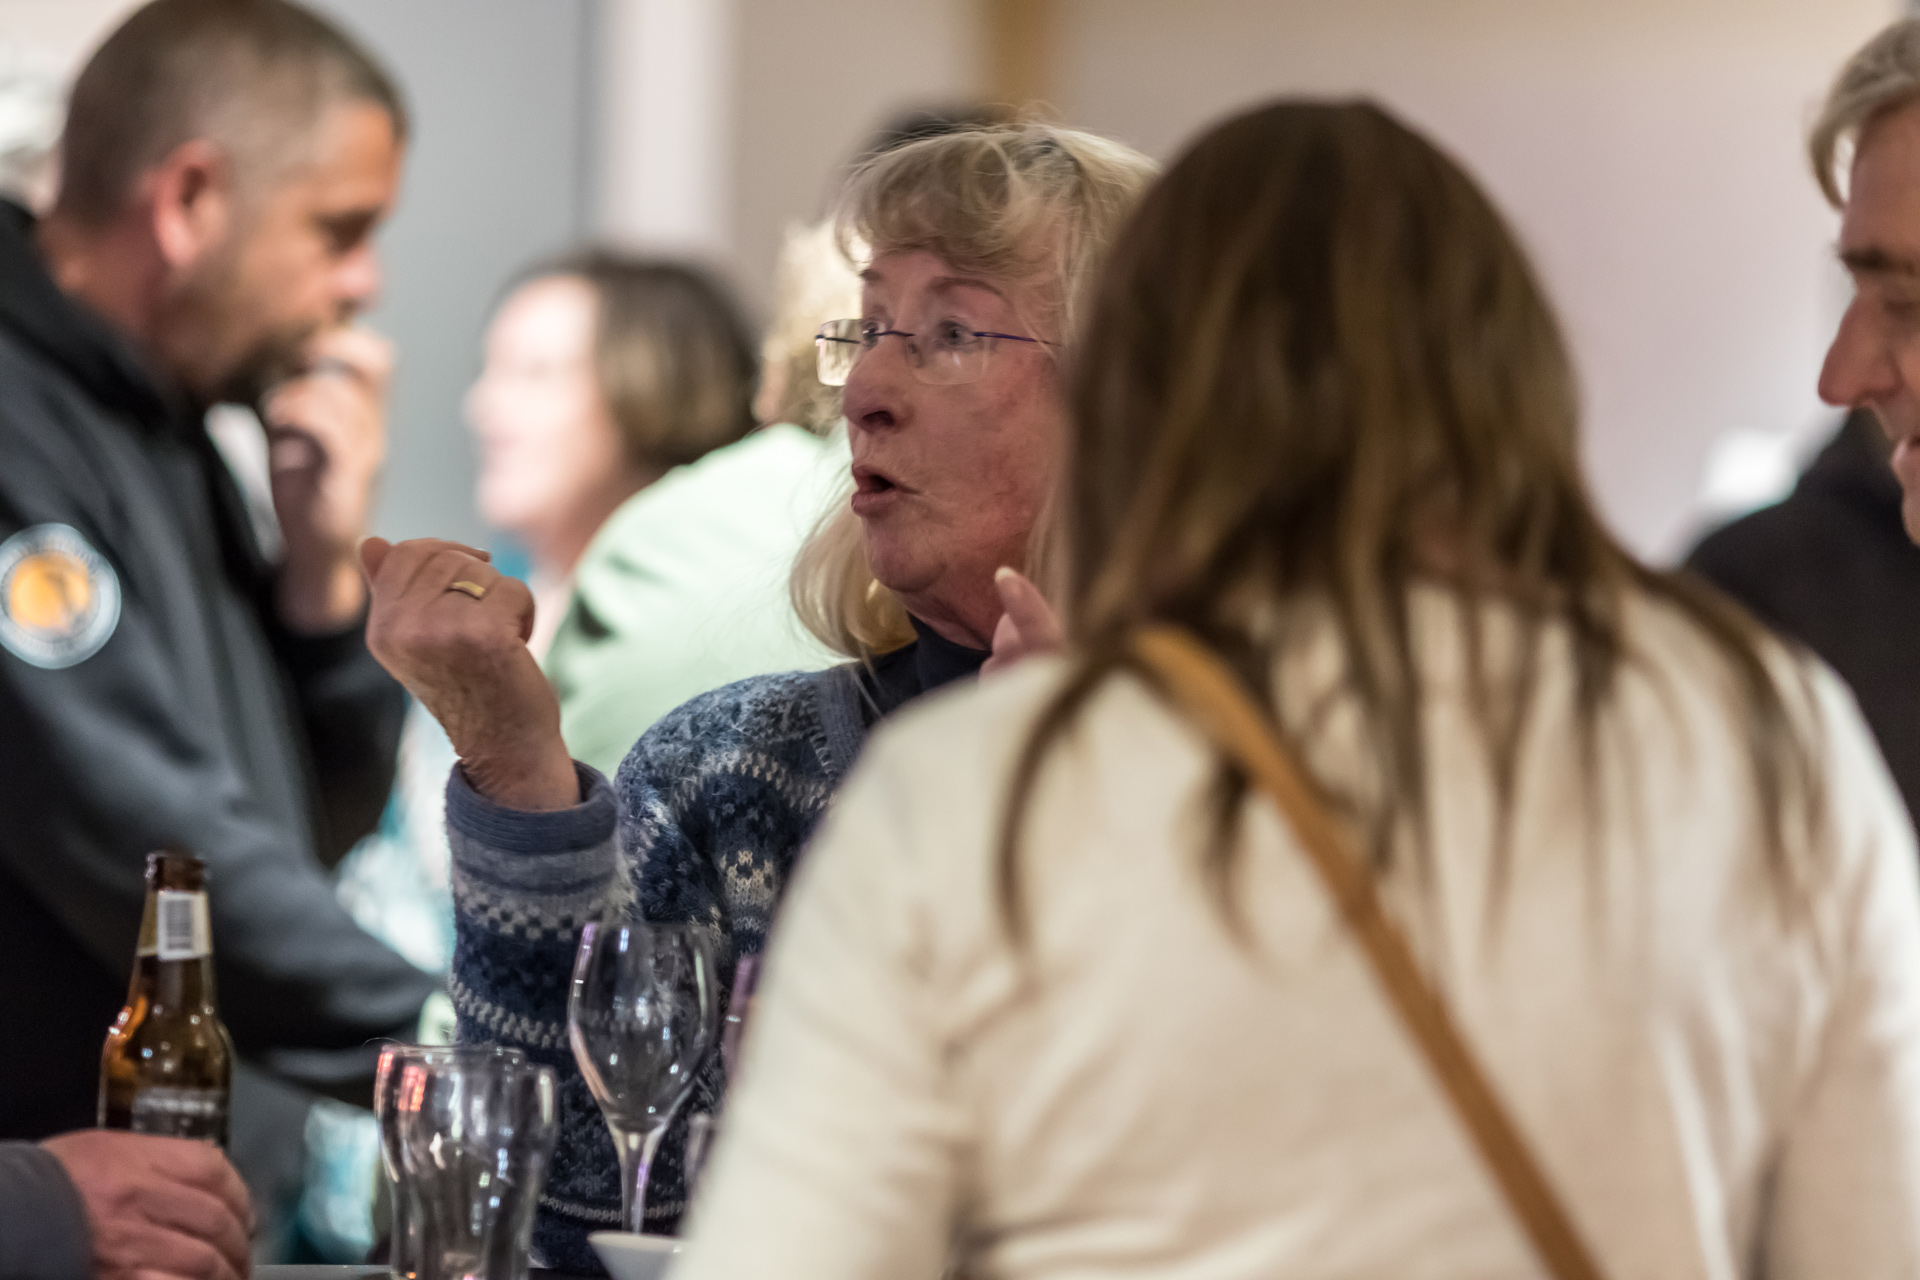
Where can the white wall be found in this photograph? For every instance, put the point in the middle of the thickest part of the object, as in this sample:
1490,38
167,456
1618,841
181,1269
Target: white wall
1649,151
815,82
67,29
666,118
804,86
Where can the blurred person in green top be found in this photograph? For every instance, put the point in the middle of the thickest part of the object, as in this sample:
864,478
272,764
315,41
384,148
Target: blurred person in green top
684,587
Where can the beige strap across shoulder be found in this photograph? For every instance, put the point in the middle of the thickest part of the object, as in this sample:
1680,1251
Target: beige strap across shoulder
1213,697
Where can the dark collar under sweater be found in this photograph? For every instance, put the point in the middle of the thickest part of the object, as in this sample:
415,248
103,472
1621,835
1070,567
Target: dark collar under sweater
894,679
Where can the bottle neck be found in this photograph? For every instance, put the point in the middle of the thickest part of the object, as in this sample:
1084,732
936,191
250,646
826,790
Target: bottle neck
174,969
174,986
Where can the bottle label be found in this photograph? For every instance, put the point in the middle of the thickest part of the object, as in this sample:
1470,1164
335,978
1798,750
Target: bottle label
181,1113
183,930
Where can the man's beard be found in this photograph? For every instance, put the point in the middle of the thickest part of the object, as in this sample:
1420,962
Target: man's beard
274,358
218,308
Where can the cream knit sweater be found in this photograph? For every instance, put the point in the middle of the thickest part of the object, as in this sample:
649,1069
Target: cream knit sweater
1715,1089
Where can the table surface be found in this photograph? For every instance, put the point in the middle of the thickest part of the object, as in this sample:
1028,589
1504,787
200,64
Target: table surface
360,1272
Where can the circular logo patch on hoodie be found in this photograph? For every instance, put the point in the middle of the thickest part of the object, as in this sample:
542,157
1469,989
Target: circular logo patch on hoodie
59,598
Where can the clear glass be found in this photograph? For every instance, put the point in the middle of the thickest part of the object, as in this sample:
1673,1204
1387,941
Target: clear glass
476,1134
641,1018
947,354
403,1234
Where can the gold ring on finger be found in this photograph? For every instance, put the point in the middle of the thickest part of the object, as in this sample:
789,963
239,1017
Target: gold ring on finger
473,589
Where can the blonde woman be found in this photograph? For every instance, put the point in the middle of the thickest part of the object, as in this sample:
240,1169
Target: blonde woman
1055,996
979,242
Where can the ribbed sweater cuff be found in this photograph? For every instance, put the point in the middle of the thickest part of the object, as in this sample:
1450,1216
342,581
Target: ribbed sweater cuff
483,823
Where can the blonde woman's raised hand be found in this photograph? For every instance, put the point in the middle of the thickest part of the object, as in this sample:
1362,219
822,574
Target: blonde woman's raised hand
1028,626
453,630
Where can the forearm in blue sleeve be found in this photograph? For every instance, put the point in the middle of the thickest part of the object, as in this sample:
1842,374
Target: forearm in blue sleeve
523,886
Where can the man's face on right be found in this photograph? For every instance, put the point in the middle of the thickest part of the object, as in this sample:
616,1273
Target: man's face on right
1874,362
299,261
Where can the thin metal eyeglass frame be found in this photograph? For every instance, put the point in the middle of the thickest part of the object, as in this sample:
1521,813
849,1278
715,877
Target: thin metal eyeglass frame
918,366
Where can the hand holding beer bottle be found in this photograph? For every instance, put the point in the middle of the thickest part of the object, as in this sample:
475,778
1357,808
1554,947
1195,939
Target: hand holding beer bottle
167,1067
157,1208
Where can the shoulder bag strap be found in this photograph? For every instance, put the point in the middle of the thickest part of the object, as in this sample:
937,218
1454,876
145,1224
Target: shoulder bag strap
1213,697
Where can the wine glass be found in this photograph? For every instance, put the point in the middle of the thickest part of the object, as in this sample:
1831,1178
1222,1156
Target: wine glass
641,1017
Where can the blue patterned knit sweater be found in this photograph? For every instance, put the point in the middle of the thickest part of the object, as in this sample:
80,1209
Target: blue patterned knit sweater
704,822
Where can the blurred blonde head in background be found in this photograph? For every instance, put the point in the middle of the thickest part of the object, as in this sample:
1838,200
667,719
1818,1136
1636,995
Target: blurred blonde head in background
813,282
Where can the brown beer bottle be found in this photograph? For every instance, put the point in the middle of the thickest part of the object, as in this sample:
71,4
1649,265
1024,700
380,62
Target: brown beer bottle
167,1066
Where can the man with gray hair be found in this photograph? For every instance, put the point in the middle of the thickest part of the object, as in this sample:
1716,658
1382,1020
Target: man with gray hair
1830,565
1870,124
162,682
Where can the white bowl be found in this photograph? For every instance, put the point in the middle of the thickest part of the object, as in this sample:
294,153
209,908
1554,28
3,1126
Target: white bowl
634,1257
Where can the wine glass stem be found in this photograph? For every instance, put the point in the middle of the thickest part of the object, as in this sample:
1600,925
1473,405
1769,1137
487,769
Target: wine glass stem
637,1149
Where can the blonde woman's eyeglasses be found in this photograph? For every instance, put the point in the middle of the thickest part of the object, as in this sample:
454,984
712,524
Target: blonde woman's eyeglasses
948,355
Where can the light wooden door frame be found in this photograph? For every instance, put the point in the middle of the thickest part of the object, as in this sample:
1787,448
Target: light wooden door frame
1018,38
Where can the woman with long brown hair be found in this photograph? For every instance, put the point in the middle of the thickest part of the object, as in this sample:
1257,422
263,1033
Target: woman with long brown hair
1620,973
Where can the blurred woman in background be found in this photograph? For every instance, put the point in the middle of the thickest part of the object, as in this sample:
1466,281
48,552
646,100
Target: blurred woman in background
1054,995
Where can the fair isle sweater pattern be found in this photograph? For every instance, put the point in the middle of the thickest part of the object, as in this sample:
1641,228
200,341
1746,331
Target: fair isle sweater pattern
714,804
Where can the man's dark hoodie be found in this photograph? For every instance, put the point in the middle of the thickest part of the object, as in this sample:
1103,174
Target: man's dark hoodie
149,697
1832,566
